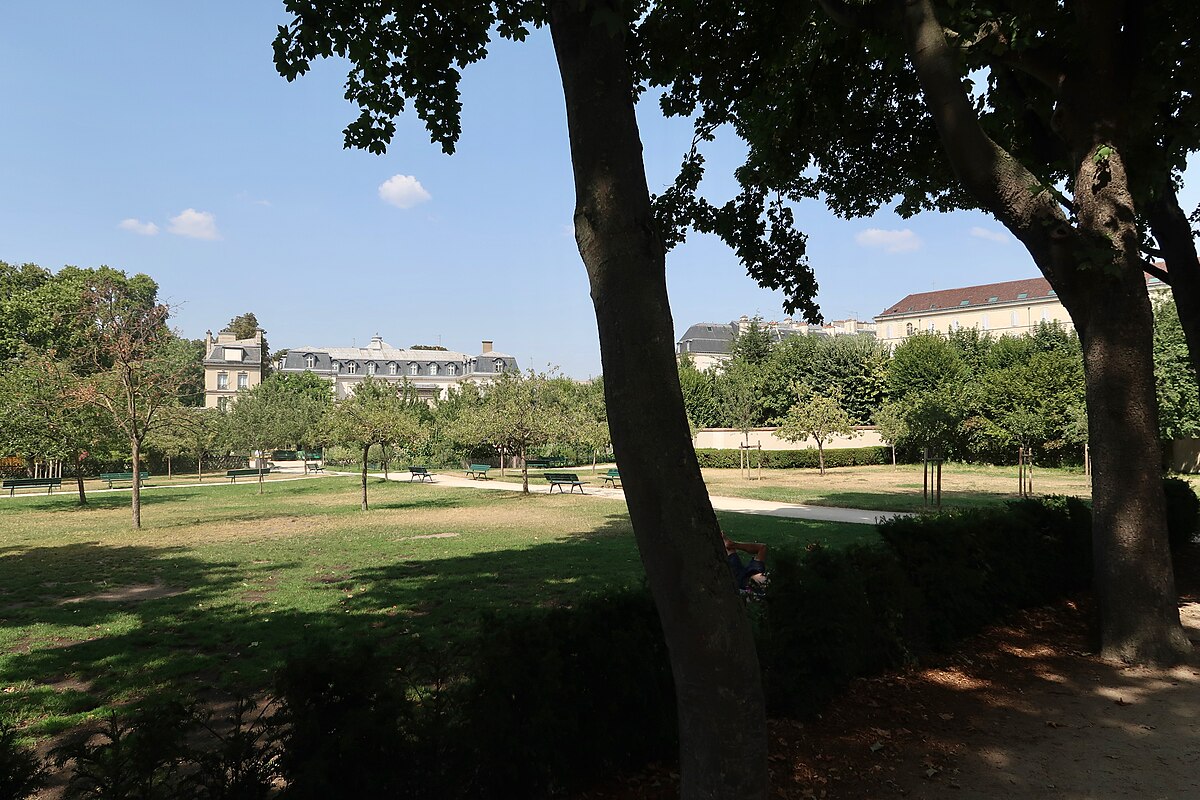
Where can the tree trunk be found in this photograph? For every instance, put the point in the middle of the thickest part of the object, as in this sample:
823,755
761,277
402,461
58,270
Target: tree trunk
79,478
136,504
722,726
366,450
1174,235
524,472
1092,262
821,457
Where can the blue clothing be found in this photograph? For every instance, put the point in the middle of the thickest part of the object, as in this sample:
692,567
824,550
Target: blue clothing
742,572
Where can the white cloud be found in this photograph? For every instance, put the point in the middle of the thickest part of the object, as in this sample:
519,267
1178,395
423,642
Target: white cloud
138,227
403,191
990,235
194,224
889,241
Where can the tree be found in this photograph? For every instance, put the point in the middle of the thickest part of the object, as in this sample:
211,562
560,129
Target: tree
701,398
377,413
284,410
753,343
417,55
1074,143
889,422
818,416
245,326
1174,376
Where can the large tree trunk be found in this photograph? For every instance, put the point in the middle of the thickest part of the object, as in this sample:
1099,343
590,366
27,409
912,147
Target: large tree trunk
718,684
1093,266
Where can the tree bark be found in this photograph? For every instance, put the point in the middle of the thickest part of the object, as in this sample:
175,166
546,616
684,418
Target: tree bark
366,451
79,478
135,445
718,684
1094,266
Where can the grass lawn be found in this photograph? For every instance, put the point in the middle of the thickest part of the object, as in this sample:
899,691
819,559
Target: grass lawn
222,584
887,488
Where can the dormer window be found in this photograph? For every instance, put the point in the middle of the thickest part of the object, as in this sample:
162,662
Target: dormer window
993,299
352,368
450,369
371,368
433,369
337,366
413,369
310,361
392,368
234,354
499,364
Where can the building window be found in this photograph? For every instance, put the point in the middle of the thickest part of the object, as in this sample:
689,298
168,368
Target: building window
392,368
932,327
1043,315
499,364
310,361
1013,317
222,380
433,369
336,366
243,380
450,369
352,368
908,329
985,322
957,325
413,369
222,403
371,368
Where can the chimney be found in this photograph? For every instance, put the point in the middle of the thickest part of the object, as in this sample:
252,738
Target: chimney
208,340
487,346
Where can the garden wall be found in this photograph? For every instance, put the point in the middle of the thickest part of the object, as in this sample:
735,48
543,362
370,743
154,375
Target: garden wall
732,438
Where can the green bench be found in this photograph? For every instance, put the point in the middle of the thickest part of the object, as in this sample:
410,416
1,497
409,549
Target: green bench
613,479
478,471
546,463
561,479
12,484
234,474
123,477
419,472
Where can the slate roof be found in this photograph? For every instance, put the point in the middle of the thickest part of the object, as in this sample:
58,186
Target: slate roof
216,353
707,337
989,294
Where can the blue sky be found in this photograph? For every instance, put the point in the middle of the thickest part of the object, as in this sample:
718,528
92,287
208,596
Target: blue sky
156,137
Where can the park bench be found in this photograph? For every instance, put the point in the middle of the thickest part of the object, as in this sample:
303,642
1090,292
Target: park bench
12,484
419,472
613,479
234,474
312,461
478,471
551,462
123,477
561,479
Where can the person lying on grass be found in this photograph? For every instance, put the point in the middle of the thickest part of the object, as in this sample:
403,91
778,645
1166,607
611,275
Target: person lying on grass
751,576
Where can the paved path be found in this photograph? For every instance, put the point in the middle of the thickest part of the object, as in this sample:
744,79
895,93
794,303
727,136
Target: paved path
739,505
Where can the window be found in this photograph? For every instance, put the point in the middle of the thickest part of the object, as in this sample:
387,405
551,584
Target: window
889,331
371,368
450,369
956,325
310,361
908,329
243,380
336,366
985,322
993,299
282,363
433,369
234,354
1013,318
222,403
413,369
932,328
498,364
964,302
1043,315
352,368
1023,295
392,368
222,380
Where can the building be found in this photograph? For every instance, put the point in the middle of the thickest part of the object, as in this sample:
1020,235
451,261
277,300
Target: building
431,372
709,343
231,364
1012,307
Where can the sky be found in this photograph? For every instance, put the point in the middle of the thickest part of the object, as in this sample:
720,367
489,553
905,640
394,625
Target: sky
157,137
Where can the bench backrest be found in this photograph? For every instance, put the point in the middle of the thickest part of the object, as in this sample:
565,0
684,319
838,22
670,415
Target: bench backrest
561,477
612,473
480,467
418,470
9,482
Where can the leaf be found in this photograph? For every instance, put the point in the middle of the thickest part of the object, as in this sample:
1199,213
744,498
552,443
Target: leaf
877,746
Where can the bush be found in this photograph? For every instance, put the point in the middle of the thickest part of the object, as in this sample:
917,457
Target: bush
796,459
565,697
1183,508
21,771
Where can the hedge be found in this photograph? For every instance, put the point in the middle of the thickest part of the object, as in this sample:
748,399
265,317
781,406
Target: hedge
794,459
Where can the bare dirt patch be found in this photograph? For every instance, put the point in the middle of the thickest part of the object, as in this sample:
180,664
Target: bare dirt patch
128,594
1023,710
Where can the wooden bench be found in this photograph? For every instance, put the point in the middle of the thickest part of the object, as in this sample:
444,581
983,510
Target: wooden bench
561,479
478,471
113,477
12,484
419,472
234,474
613,479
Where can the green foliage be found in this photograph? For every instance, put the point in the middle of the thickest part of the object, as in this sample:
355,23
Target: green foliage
701,395
924,363
21,771
1174,376
751,344
243,326
815,416
797,459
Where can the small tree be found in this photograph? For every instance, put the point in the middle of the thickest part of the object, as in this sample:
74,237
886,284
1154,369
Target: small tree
890,423
377,413
815,415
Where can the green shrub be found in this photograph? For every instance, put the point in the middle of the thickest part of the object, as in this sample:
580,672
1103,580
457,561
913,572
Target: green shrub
796,459
21,771
565,697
